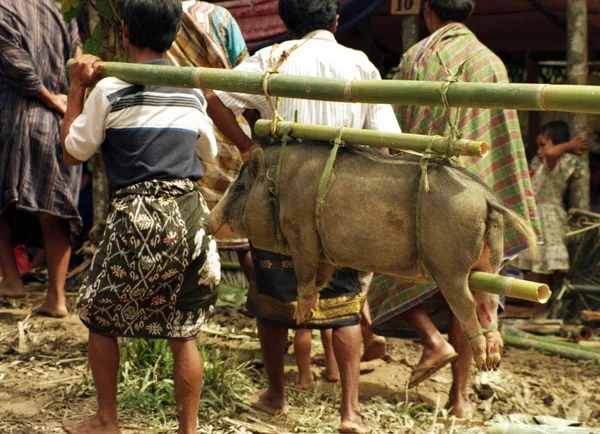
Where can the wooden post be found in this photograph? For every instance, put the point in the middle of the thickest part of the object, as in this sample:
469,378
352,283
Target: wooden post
577,69
532,71
410,31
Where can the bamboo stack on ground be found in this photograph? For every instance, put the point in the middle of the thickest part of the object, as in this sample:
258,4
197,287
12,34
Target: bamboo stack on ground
569,350
519,96
354,136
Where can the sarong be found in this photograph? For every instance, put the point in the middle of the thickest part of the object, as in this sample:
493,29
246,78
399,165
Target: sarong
274,290
156,272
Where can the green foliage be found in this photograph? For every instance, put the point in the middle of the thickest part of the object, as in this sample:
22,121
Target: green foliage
146,379
93,44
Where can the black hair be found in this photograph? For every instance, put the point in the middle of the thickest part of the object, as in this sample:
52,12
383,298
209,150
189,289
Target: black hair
557,131
304,16
152,23
452,10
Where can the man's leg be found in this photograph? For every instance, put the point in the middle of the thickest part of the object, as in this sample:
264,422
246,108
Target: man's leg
459,401
103,353
374,347
346,345
302,347
57,246
187,372
331,372
272,344
437,352
10,285
245,259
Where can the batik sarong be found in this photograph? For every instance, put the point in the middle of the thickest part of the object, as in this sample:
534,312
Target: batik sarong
273,294
156,272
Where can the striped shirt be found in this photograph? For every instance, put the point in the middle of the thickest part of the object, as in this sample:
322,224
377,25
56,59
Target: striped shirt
146,132
318,55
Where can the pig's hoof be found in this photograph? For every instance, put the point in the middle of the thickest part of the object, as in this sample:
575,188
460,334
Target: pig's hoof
478,345
494,345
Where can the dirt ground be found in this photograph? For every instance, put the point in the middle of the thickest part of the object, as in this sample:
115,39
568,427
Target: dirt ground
43,364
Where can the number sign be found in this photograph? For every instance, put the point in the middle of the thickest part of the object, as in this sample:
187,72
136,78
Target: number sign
406,7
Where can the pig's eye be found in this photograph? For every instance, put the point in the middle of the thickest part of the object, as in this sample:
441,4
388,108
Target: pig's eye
238,188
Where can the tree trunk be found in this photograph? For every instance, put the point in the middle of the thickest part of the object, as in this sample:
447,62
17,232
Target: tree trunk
577,70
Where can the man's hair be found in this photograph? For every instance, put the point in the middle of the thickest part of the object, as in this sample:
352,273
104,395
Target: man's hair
557,131
452,10
304,16
152,23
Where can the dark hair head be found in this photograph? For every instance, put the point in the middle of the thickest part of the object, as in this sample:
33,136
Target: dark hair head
152,23
304,16
452,10
556,131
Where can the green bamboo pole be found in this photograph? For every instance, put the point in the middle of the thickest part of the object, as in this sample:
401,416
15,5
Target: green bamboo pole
478,280
521,96
354,136
510,287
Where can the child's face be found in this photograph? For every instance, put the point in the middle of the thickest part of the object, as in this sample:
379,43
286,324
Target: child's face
543,143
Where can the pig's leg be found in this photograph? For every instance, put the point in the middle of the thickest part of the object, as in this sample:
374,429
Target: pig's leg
455,289
487,308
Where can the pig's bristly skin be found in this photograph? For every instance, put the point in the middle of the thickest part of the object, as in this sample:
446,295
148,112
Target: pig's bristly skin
369,224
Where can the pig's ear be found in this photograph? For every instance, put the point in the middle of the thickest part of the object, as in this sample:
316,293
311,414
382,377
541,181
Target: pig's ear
256,164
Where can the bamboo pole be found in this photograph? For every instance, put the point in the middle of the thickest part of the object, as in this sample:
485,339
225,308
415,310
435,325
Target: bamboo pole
510,287
520,96
354,136
478,280
577,332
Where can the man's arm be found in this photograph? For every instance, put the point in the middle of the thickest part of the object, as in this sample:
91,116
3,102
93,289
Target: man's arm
226,122
82,133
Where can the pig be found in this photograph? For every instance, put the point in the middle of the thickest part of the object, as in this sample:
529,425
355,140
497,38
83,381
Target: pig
369,223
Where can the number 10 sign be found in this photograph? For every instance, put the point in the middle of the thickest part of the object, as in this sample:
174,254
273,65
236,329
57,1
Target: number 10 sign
406,7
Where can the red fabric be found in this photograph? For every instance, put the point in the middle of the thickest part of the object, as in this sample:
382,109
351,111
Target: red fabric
23,263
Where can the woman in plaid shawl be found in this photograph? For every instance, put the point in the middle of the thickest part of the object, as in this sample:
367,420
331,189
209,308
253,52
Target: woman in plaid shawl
504,169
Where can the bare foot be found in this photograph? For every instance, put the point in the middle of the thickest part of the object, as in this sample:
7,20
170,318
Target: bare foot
269,402
432,360
304,383
356,427
59,311
13,290
375,348
462,408
331,376
93,425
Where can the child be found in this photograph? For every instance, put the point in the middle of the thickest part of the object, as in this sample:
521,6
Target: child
554,173
156,273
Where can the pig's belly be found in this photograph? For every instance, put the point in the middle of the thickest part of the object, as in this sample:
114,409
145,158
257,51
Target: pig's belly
371,230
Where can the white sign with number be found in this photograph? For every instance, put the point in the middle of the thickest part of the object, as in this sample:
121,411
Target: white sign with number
406,7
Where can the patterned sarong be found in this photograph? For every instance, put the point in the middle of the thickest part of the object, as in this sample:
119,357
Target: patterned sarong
156,273
504,169
274,290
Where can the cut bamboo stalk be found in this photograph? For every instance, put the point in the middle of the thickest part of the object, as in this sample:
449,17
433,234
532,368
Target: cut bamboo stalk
584,289
519,96
589,316
552,348
515,337
478,280
510,287
577,333
354,136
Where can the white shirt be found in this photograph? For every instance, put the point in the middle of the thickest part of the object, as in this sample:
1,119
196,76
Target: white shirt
319,56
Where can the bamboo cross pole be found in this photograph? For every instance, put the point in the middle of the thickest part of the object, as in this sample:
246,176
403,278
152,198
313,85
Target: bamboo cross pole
354,136
520,96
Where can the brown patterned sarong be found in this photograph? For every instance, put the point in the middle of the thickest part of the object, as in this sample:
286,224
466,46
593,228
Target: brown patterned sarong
156,272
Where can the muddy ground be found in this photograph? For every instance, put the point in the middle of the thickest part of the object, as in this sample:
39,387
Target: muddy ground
43,366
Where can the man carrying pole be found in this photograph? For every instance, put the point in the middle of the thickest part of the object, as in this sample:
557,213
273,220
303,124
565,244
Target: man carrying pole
453,53
313,52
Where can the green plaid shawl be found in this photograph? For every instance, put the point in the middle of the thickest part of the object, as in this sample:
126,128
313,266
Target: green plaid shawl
504,169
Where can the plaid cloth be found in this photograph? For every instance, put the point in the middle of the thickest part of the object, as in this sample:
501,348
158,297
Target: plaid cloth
210,37
35,44
504,169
